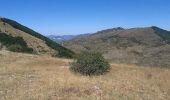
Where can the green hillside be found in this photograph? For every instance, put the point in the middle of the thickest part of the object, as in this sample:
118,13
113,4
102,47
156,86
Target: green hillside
164,34
62,52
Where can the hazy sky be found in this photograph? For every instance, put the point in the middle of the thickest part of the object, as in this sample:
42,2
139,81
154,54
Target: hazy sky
86,16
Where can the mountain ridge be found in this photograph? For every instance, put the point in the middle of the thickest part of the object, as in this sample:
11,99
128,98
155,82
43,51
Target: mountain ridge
143,46
64,38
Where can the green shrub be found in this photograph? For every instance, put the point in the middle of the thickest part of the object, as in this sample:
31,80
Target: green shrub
15,44
90,63
19,48
15,48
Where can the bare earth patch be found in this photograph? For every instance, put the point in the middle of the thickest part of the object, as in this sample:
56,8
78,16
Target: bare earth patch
31,77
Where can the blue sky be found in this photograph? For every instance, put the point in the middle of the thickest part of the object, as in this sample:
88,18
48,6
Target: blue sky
85,16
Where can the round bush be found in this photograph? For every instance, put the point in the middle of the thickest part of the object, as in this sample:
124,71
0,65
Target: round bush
90,63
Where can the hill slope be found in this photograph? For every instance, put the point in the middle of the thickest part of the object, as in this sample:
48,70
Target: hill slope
144,46
39,43
32,77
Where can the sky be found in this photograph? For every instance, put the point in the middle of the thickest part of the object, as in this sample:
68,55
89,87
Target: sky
67,17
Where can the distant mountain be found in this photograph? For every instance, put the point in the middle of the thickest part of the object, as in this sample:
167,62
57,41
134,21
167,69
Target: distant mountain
60,39
19,38
144,46
64,38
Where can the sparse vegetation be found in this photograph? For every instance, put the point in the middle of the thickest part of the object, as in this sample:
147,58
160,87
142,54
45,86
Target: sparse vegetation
90,63
35,77
15,44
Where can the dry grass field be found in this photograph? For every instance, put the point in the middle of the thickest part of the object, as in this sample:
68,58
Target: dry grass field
33,77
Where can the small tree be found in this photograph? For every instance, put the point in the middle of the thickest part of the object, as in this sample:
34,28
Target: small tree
90,63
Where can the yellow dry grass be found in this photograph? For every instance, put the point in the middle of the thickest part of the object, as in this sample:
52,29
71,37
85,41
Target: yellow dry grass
31,77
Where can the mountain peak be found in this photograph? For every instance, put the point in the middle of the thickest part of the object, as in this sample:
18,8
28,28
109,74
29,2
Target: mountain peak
110,30
118,28
155,27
